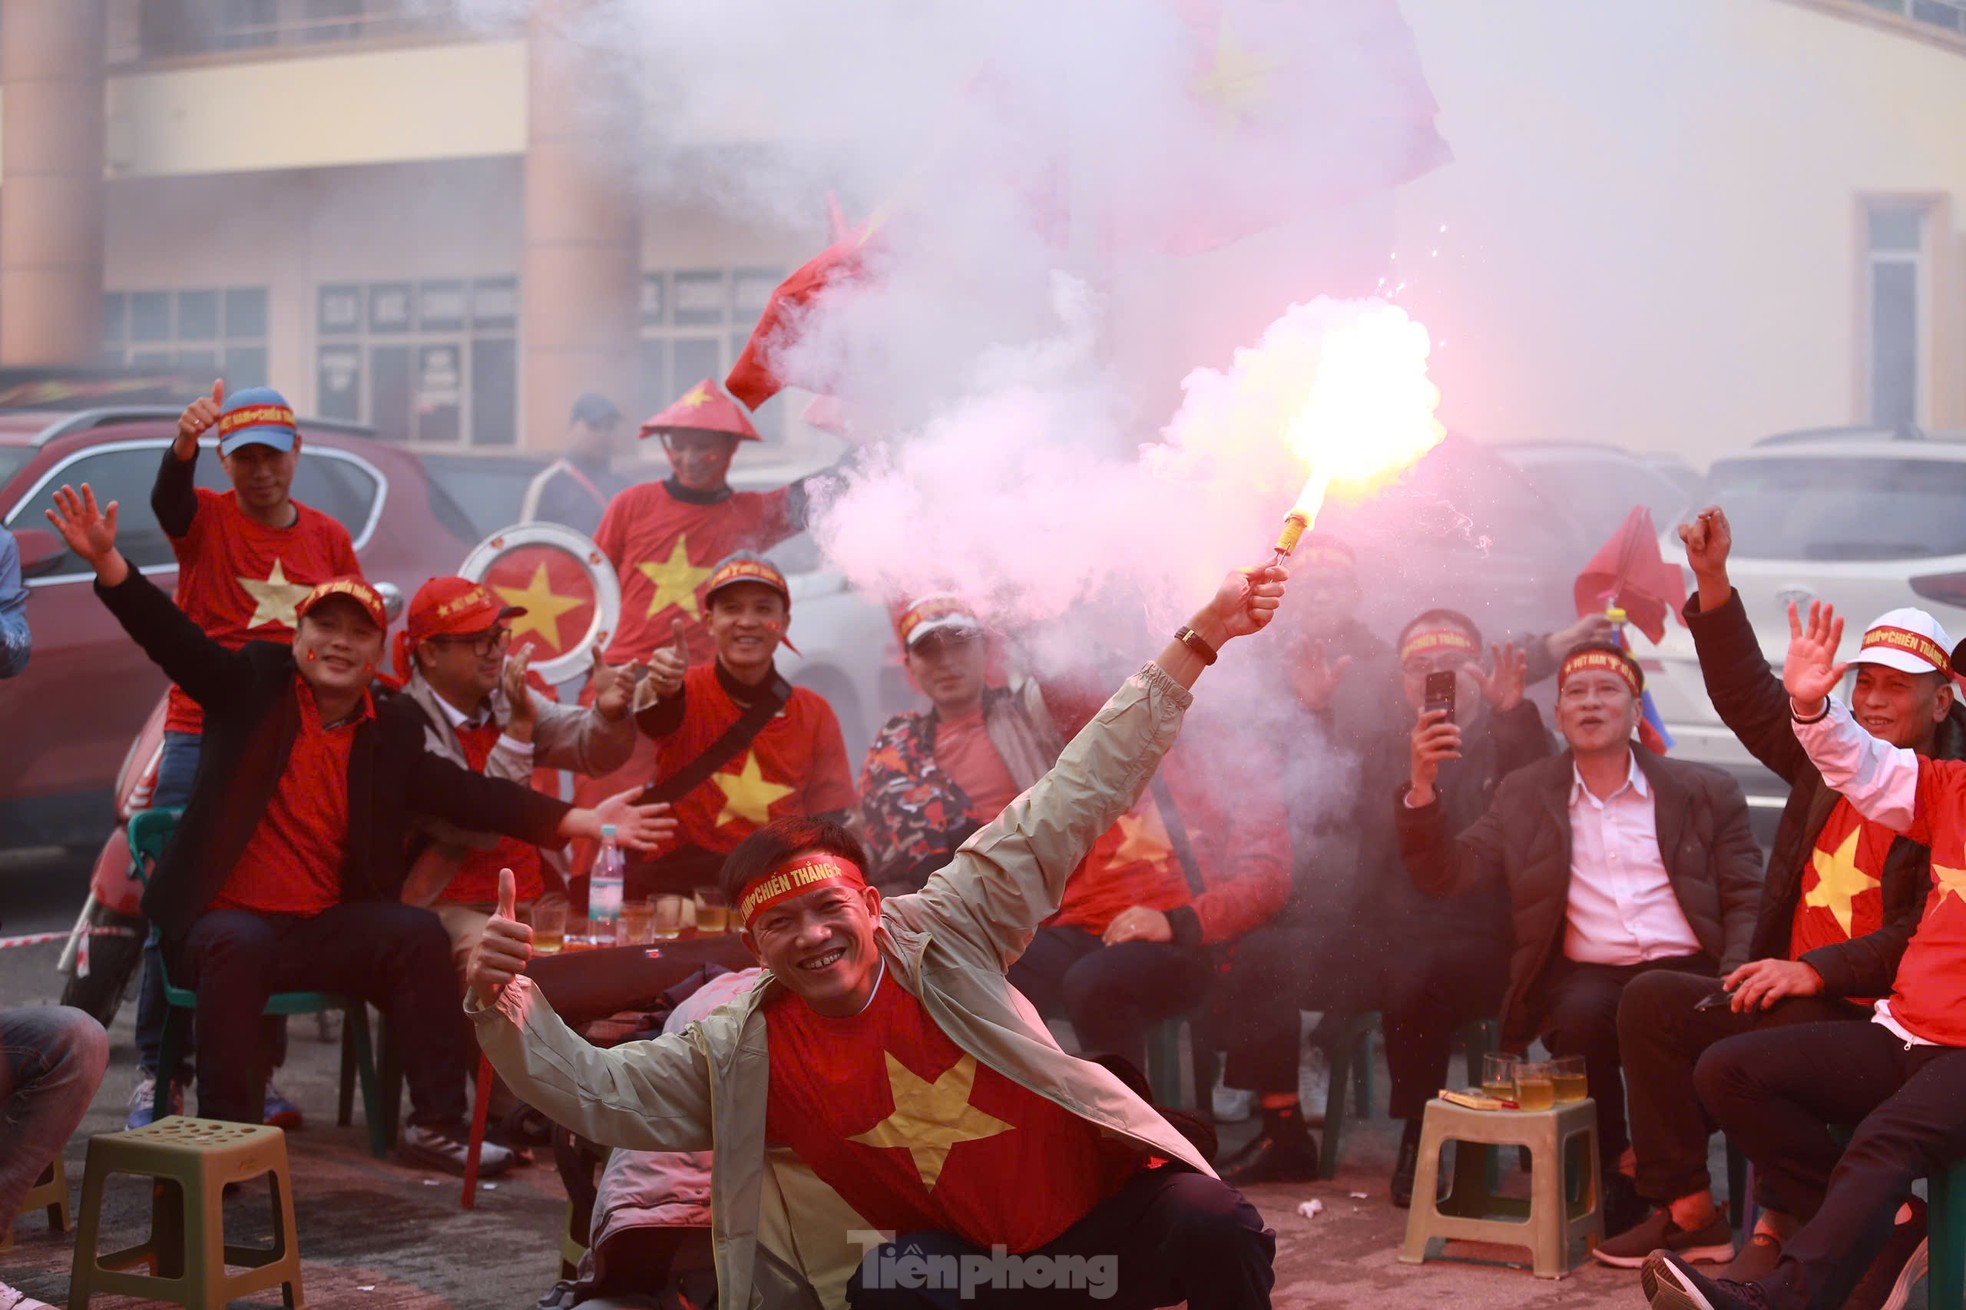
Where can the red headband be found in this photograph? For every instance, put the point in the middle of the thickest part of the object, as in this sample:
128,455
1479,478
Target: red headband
1914,643
1432,639
1592,661
809,874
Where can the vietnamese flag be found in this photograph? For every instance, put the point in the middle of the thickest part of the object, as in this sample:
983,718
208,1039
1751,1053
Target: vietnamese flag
760,371
1629,573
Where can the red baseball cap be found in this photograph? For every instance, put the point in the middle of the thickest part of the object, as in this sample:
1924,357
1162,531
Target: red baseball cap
449,605
746,567
348,588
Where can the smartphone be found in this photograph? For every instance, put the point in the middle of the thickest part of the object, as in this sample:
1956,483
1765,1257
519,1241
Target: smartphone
1439,694
1714,1001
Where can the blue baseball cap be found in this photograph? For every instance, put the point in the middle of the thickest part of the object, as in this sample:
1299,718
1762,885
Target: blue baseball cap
257,416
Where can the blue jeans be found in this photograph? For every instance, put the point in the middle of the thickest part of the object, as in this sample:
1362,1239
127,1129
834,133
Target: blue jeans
51,1062
175,770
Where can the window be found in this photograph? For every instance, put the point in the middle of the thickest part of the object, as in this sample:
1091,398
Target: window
1894,296
152,29
1806,508
337,486
695,322
434,362
220,331
119,473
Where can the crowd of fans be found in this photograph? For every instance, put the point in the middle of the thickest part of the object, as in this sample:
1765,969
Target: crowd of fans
1023,852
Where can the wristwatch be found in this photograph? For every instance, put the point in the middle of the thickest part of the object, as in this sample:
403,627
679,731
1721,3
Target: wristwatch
1188,637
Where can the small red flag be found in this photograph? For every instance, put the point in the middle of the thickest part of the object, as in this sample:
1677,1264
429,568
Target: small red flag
1628,572
760,371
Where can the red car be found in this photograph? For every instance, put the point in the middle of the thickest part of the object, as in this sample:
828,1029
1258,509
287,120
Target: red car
70,718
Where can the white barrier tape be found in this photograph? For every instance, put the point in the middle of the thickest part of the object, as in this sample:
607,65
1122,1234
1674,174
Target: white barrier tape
42,938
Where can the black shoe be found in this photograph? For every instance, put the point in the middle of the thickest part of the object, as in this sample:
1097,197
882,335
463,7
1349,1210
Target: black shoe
1675,1286
1273,1158
1407,1165
1887,1284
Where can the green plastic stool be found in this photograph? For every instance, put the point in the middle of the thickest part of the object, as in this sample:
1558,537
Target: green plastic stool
1946,1232
1164,1065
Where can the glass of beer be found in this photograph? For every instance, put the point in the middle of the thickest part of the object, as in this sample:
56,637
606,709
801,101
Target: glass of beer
712,915
1567,1079
1498,1074
636,926
549,928
1534,1088
669,915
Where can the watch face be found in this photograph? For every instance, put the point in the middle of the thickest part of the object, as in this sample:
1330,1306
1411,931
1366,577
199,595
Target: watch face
564,583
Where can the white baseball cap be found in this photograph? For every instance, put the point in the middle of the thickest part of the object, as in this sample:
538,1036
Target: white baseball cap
1907,639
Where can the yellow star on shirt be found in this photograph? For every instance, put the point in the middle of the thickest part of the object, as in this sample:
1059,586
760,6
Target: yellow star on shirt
676,581
543,607
1839,882
274,599
931,1117
1142,837
1949,882
747,795
1238,79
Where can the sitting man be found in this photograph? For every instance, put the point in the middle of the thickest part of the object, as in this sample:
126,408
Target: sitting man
736,745
473,707
1841,899
1617,862
932,778
1901,1078
885,1076
287,868
1432,964
51,1062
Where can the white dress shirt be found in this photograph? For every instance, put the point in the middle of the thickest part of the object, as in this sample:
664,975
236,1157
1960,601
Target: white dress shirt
459,719
1622,907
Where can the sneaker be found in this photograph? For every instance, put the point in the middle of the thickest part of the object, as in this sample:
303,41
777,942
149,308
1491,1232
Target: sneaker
446,1147
1711,1244
142,1098
1273,1158
1887,1284
280,1112
12,1298
1232,1105
1675,1286
1757,1259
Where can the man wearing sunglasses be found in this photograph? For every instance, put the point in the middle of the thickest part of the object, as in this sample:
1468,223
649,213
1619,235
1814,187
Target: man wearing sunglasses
474,708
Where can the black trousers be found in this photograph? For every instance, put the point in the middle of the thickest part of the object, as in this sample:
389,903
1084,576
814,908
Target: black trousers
1776,1093
1110,993
396,957
1583,1020
1168,1235
1428,993
1271,974
1660,1039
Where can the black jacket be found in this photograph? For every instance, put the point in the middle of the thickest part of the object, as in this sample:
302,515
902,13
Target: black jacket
252,715
1524,841
1752,703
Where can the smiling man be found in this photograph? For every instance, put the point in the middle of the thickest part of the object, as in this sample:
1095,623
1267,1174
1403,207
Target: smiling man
884,1075
1617,862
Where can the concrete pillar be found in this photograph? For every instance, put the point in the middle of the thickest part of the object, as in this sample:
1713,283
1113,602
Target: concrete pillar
51,189
580,289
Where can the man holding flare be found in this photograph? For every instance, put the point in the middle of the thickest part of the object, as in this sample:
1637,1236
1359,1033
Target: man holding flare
884,1075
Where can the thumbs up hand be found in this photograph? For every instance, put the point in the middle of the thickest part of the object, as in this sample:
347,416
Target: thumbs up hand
503,949
198,416
667,666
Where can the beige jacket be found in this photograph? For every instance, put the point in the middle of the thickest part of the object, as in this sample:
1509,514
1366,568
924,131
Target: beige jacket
948,944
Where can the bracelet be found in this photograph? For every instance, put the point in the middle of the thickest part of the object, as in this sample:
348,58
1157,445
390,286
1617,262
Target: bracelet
1193,641
1817,717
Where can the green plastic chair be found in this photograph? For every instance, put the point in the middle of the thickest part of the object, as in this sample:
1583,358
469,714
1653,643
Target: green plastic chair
150,831
1164,1064
1945,1197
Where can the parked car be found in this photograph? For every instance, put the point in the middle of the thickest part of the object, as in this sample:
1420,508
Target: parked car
71,716
1867,519
1597,484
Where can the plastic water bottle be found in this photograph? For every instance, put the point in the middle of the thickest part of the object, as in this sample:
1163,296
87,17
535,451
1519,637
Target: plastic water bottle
604,889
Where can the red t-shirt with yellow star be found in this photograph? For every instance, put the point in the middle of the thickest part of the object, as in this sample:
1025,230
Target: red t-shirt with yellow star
1928,996
916,1133
664,549
240,580
1842,896
795,766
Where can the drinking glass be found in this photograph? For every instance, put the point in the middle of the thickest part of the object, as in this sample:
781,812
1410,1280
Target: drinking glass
1567,1079
1498,1074
669,915
549,928
1533,1087
637,924
712,915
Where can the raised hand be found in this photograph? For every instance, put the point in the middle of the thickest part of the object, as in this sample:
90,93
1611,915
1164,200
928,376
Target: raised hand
518,696
667,665
89,532
198,418
1810,672
1245,603
614,688
1435,739
1507,675
503,948
1592,627
1708,540
1314,680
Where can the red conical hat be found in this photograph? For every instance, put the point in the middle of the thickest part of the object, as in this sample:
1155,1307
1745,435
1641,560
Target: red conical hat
704,408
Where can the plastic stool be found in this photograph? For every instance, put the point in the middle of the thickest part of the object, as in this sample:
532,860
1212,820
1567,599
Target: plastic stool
1163,1069
186,1254
50,1192
1945,1195
572,1248
1564,1184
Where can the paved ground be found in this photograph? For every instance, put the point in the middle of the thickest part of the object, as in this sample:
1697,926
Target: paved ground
375,1234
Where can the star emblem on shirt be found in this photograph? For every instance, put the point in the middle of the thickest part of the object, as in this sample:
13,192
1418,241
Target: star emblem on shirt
675,580
1949,882
931,1117
1237,80
1142,837
1839,882
748,794
274,597
543,607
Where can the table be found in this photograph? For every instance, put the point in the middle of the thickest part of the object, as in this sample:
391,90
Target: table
583,986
